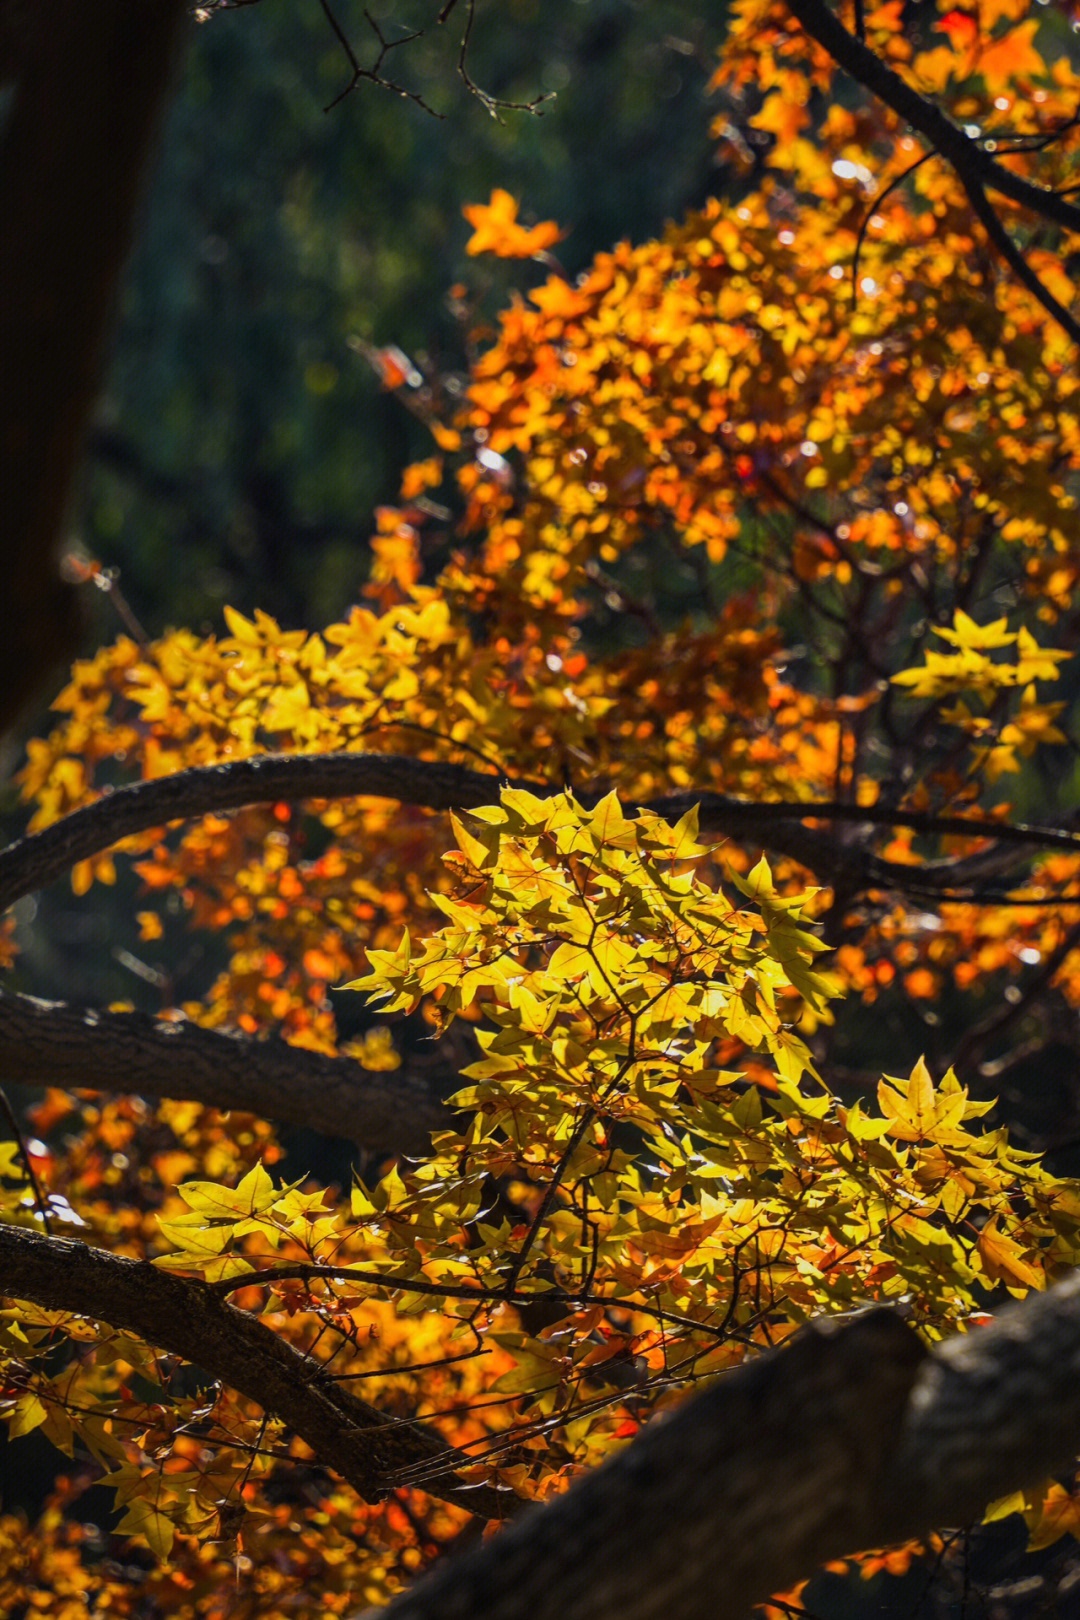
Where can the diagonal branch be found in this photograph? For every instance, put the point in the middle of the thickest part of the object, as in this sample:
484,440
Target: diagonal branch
967,157
45,1043
38,859
31,862
850,1437
987,216
976,168
186,1319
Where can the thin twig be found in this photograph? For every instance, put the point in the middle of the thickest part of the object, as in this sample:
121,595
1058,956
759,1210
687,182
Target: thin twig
24,1154
871,211
987,216
374,73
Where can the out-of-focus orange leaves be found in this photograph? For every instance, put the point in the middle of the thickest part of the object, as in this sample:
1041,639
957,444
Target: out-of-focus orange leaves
496,229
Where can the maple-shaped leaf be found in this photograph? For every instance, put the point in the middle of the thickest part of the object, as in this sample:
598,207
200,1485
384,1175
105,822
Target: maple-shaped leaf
253,1194
966,632
1056,1514
148,1522
29,1413
914,1110
1011,57
1003,1260
1036,663
496,230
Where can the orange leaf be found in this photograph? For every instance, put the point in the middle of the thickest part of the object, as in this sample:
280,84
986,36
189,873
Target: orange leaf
496,230
1010,57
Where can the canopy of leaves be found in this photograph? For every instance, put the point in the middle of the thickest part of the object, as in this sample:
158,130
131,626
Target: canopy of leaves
780,504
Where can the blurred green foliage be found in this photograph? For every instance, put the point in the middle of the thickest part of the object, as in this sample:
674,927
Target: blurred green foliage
242,444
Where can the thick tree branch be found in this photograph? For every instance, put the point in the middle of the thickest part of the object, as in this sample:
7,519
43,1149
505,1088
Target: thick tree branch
40,858
46,1043
91,81
851,1437
346,1434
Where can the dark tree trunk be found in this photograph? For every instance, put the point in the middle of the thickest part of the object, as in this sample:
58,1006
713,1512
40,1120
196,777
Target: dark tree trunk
90,81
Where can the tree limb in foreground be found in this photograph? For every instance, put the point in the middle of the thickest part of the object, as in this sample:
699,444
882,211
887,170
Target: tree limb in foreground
46,1043
39,858
853,1436
186,1319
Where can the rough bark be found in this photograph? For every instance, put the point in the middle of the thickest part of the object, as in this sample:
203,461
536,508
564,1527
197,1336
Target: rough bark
851,1437
46,1043
38,859
49,1043
90,83
187,1319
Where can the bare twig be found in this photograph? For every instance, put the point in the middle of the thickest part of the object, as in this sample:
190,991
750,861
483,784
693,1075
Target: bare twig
492,104
860,239
24,1153
373,74
985,213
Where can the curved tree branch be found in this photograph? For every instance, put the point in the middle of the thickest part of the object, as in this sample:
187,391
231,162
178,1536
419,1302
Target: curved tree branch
46,1043
31,862
186,1319
851,1437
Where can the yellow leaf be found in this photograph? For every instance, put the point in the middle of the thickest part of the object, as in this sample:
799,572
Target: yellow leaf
1015,1502
1057,1515
759,881
57,1426
251,1196
29,1413
909,1104
469,846
242,629
966,633
1003,1259
533,812
144,1520
610,826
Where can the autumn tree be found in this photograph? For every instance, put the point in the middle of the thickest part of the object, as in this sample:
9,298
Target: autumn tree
702,751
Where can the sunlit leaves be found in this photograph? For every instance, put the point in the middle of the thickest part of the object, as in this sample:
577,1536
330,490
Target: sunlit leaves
869,473
496,229
971,668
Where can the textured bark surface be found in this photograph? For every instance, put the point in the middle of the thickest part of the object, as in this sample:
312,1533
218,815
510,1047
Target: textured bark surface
90,84
187,1319
45,1043
851,1437
40,858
